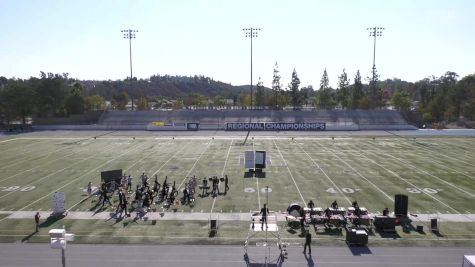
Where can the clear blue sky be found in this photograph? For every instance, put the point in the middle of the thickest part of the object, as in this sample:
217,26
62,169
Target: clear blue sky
186,37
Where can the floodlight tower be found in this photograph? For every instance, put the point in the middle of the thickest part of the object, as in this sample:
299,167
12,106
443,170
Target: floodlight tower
375,32
252,33
130,34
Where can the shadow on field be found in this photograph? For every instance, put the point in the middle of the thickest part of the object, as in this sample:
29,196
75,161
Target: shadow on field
27,238
254,174
358,251
393,235
331,231
51,220
248,175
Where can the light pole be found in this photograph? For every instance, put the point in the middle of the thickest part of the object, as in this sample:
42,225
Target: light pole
375,32
130,34
252,33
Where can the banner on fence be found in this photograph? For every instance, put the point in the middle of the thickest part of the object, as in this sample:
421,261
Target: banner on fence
275,126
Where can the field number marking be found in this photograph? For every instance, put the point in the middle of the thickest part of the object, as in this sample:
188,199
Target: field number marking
426,190
266,190
346,190
17,188
249,190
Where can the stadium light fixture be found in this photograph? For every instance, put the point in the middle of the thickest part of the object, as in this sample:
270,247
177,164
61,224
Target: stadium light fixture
251,33
375,32
130,34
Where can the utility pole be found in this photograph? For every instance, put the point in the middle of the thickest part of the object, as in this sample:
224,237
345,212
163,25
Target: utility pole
375,32
130,34
252,33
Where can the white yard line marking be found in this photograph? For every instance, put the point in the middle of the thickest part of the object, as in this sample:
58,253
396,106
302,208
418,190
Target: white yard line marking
22,159
411,146
359,174
91,171
18,147
170,158
413,185
38,166
425,158
55,172
467,152
257,179
224,168
421,170
288,169
125,170
318,166
192,167
8,140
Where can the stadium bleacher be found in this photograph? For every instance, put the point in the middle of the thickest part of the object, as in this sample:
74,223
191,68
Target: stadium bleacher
216,119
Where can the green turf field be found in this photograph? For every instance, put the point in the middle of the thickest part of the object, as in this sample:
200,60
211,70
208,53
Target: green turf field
437,173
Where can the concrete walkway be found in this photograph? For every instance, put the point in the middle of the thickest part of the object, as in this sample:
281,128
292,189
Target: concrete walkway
41,255
205,216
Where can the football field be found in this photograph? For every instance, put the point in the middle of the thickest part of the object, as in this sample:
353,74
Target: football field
437,173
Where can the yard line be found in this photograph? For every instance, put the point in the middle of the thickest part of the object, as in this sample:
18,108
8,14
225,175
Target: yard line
411,146
222,172
257,179
21,159
288,169
445,166
198,159
318,166
42,178
16,148
74,180
413,185
357,172
125,170
463,147
8,140
47,163
434,176
170,158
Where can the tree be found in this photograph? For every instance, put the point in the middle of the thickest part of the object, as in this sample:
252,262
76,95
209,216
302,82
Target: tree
307,93
51,93
179,103
343,90
120,100
74,103
294,90
17,100
324,95
276,87
467,84
357,91
245,99
94,102
401,101
375,93
260,94
142,104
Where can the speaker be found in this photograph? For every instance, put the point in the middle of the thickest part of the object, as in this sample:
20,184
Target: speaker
433,225
385,223
401,203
